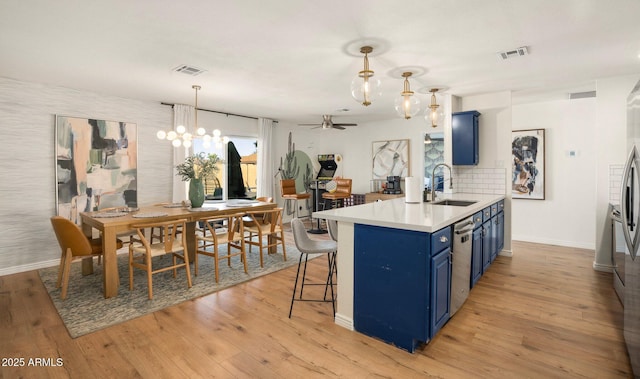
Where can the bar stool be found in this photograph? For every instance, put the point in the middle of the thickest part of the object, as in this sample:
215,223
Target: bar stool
307,246
343,191
288,190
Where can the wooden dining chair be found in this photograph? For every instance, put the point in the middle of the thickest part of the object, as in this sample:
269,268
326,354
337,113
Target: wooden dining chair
141,252
265,224
74,245
214,232
264,199
156,233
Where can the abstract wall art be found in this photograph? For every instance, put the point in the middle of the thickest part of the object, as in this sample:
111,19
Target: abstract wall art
96,165
527,150
391,158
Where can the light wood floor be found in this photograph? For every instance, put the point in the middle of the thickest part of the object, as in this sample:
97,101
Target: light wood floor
545,313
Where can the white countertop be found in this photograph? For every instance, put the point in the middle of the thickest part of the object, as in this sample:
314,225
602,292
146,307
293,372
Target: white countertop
423,217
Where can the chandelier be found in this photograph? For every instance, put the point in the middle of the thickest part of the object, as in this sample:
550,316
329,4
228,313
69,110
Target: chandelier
364,86
182,137
406,104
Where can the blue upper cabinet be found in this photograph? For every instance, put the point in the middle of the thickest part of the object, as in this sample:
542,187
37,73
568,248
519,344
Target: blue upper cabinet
465,138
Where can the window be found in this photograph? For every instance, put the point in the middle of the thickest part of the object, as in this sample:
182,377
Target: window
235,179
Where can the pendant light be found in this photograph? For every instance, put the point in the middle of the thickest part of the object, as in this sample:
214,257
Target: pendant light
406,104
181,137
365,86
434,113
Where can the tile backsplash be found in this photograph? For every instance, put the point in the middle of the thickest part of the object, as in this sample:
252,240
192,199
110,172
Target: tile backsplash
479,180
615,182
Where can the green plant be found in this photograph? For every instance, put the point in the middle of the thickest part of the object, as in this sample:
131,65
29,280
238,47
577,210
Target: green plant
198,166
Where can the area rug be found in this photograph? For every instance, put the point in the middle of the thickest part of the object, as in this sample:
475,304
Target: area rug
86,310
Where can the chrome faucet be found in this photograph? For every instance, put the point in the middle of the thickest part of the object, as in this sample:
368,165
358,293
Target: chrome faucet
433,184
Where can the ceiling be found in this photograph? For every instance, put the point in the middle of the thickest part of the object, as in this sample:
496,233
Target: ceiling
294,60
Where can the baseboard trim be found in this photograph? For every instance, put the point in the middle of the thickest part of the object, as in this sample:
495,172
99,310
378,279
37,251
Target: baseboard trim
600,267
506,253
29,267
343,321
547,241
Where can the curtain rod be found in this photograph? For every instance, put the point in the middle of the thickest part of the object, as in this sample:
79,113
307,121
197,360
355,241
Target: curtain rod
224,113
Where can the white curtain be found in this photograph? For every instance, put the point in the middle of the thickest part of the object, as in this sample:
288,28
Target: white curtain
182,115
265,158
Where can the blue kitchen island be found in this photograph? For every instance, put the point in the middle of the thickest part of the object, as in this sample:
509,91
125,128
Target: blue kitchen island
394,266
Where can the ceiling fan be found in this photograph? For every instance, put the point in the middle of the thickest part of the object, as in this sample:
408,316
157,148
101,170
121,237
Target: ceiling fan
328,124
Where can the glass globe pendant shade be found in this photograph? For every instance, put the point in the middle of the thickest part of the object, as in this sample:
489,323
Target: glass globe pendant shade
172,135
176,143
434,114
365,89
186,143
407,106
161,134
180,129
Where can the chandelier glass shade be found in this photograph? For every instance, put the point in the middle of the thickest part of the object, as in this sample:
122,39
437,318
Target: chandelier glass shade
435,113
407,105
365,87
182,137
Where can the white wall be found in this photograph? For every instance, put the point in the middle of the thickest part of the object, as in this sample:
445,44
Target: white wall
610,135
565,217
27,188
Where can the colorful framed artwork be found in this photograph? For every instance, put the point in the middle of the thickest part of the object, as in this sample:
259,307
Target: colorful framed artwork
391,158
528,163
96,165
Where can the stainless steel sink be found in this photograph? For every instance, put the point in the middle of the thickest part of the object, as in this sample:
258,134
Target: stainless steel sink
455,203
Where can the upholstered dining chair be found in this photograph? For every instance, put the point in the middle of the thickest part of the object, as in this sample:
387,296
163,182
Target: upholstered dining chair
308,246
74,245
265,224
342,192
290,195
143,250
209,239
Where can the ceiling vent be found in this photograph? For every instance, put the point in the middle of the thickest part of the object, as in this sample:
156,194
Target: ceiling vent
514,53
189,70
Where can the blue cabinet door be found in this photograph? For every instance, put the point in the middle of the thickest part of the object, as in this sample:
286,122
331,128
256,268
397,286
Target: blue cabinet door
494,237
440,290
500,228
476,256
465,138
486,245
391,284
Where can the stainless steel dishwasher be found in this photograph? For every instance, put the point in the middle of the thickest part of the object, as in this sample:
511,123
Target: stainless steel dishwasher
461,263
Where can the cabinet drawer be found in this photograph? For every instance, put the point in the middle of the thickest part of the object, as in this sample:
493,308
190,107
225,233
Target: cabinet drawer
501,206
477,220
494,209
440,240
486,214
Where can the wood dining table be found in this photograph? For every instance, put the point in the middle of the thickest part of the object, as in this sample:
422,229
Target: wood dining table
120,221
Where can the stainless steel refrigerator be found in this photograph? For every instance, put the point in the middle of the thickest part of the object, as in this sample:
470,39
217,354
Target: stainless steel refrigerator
630,214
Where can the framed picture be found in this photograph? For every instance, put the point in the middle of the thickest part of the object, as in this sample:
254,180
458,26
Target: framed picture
527,152
391,158
96,165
